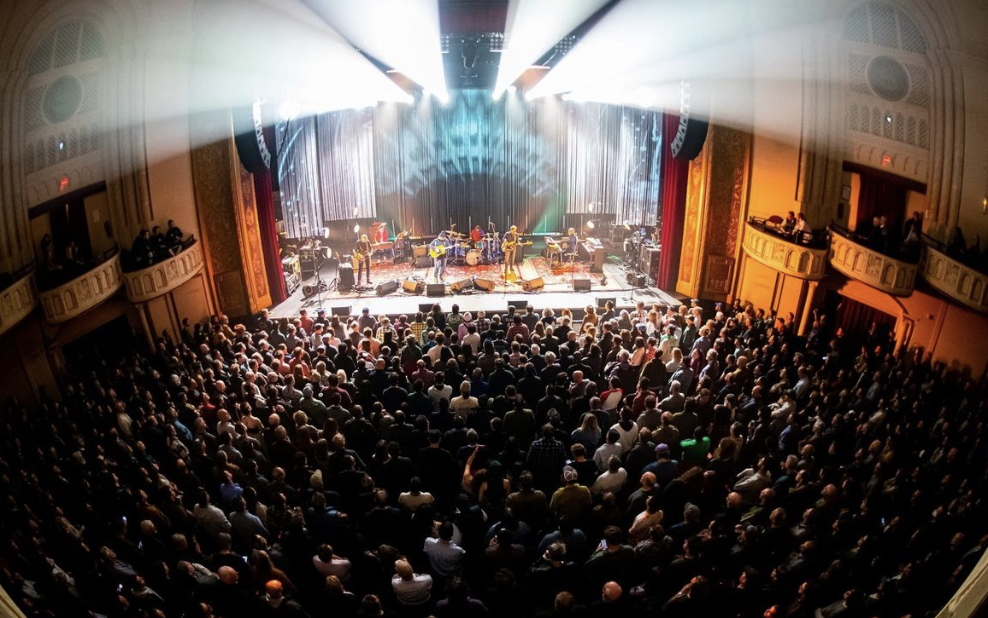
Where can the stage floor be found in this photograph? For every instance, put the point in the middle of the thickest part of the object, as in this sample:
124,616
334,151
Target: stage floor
557,293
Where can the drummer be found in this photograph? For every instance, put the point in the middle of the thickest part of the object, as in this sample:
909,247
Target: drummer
476,236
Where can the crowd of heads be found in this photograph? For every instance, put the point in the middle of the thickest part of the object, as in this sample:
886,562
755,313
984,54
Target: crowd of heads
648,461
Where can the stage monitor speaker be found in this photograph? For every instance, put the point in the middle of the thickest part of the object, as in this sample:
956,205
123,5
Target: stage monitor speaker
412,287
388,287
603,301
343,310
486,285
345,275
423,261
581,285
462,284
533,284
435,289
519,305
426,308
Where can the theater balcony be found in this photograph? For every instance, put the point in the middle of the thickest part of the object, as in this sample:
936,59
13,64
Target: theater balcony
953,278
17,300
157,279
87,290
777,251
852,258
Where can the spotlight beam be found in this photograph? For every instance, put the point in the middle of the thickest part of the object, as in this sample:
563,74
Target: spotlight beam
533,27
403,34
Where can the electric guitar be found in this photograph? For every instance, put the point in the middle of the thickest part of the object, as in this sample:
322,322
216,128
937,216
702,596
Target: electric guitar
509,245
437,251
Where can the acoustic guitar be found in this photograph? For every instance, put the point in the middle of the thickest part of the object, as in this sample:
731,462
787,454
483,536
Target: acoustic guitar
437,251
358,257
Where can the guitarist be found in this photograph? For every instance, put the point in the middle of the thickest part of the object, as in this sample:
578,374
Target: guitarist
437,249
509,244
362,258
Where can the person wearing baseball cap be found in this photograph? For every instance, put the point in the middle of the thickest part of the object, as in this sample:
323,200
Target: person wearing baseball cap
572,500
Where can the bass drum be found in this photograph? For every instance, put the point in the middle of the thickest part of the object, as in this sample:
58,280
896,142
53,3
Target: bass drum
473,257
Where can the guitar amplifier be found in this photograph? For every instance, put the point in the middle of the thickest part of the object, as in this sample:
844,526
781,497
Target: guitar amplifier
346,279
420,251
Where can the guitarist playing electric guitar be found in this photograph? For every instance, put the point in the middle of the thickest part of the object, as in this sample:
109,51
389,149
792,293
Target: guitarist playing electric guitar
362,258
437,250
509,245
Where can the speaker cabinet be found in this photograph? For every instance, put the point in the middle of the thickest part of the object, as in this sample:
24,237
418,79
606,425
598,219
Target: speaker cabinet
435,289
420,251
346,277
425,308
343,310
388,287
533,284
462,284
603,301
581,285
486,285
423,261
412,287
519,305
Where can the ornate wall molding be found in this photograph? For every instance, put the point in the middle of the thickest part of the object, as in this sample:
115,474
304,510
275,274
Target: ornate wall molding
955,280
82,293
153,281
786,257
17,302
871,267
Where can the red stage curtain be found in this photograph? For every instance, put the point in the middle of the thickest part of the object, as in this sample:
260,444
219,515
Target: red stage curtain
269,234
855,319
674,176
879,197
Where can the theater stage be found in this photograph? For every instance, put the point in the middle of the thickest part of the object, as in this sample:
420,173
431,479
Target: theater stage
557,293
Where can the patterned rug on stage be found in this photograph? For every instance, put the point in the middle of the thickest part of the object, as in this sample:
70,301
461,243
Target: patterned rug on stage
557,278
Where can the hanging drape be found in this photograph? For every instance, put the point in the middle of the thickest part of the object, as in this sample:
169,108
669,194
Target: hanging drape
675,173
855,319
428,166
269,234
346,165
879,197
298,162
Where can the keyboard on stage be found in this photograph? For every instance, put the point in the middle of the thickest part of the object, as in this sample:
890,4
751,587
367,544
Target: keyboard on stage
593,250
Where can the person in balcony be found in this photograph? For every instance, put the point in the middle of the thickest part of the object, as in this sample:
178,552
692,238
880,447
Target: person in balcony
173,237
789,224
801,231
141,251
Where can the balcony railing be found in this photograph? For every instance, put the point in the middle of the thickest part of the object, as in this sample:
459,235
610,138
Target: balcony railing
86,291
880,271
17,301
781,254
953,278
157,279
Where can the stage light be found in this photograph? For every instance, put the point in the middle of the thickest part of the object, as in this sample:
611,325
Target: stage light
356,228
532,28
403,34
512,89
325,232
288,109
590,225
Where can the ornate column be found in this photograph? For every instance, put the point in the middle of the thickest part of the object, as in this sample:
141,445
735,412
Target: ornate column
227,217
716,204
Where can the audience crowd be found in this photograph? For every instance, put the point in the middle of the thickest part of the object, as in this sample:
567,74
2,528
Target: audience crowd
657,461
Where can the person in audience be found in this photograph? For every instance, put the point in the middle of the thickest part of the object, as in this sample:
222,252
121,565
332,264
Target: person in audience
267,468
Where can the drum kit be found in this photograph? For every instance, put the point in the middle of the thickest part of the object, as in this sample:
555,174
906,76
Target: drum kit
466,251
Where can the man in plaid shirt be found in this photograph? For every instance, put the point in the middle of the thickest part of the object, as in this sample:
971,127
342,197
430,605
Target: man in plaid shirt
546,457
518,328
483,324
418,326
